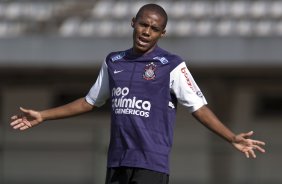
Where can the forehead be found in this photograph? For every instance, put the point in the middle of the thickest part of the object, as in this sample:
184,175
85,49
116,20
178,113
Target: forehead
154,16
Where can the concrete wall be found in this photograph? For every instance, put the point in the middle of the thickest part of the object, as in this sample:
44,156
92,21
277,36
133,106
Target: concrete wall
84,52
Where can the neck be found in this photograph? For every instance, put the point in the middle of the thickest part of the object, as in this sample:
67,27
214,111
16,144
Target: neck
136,53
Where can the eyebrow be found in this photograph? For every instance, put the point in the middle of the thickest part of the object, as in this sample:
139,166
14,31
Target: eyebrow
159,27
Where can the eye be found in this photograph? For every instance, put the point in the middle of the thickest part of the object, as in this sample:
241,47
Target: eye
156,29
142,24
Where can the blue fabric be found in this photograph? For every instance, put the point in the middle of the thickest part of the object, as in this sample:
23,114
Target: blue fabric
142,122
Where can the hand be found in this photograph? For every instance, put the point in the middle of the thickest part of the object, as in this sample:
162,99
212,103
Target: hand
28,119
248,146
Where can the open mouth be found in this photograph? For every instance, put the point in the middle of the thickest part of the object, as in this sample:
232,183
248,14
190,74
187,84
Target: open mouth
142,41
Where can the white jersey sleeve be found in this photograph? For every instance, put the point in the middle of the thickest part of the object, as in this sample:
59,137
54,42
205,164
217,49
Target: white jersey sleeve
185,88
100,91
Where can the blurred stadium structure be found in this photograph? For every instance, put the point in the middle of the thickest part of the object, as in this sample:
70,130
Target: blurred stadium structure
50,54
86,18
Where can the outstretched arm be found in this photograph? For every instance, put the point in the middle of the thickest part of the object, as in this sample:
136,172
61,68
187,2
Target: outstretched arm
30,118
241,141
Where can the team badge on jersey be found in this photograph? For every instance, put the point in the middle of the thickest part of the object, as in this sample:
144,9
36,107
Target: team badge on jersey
149,73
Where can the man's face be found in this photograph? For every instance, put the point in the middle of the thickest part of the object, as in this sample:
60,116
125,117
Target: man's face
148,29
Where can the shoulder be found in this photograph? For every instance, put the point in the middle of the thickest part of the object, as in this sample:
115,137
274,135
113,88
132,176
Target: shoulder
167,57
116,56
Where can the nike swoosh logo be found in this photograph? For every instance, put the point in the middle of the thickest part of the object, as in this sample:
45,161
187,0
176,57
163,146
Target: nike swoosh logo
117,71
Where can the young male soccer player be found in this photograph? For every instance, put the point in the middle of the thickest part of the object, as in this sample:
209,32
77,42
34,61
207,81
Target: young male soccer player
144,84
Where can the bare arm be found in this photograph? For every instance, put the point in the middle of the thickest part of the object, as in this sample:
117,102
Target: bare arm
76,107
30,118
209,119
241,141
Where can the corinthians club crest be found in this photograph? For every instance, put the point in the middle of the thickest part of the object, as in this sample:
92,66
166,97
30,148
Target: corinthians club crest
149,73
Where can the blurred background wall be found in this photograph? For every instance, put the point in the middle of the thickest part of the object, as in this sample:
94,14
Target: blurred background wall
51,52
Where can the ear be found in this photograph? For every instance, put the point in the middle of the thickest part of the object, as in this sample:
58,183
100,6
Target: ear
163,33
133,22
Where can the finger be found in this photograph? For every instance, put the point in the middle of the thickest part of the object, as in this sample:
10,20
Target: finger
24,127
260,149
247,135
24,110
16,122
256,142
247,154
251,151
14,117
19,125
26,122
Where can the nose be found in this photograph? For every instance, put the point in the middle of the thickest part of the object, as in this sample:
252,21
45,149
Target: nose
146,31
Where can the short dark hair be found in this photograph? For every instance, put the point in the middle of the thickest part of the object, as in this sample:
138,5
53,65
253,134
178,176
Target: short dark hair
154,8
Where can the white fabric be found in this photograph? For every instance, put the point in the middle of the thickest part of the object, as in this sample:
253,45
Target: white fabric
185,88
99,92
